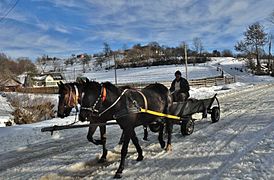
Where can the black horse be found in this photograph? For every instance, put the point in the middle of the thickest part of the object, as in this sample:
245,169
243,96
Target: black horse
70,95
103,102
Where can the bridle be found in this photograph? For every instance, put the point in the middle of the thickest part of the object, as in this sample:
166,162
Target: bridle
101,98
73,99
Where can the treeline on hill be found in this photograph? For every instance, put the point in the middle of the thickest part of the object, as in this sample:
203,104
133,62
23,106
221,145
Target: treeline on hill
12,68
153,54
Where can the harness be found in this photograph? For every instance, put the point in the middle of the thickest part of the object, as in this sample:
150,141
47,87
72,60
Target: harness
102,97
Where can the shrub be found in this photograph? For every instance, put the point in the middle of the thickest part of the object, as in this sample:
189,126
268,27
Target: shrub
30,110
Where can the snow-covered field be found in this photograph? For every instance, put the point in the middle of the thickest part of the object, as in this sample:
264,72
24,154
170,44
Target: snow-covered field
154,73
239,146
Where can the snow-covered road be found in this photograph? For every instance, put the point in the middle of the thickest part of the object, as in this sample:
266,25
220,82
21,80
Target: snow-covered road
240,146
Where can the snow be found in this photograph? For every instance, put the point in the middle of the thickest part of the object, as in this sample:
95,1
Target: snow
239,146
153,73
5,111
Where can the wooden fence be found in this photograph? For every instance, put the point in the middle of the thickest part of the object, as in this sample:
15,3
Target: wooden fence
207,82
38,90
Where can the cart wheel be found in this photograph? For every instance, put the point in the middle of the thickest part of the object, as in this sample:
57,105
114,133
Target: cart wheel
154,127
215,114
187,126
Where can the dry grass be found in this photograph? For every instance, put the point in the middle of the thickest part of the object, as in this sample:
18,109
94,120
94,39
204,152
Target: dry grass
28,110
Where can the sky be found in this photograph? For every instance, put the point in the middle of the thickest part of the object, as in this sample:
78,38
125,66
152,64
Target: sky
64,27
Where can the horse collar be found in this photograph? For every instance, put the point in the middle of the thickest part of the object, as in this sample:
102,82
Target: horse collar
104,93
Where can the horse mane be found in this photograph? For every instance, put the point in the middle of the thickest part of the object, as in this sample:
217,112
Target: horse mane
112,87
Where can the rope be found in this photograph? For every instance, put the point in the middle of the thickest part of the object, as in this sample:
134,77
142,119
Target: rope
117,100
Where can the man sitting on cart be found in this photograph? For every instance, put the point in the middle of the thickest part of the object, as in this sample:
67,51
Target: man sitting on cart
179,88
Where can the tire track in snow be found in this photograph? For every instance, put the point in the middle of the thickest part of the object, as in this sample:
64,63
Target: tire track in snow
35,152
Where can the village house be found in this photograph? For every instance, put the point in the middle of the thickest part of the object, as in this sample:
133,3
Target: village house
9,84
44,80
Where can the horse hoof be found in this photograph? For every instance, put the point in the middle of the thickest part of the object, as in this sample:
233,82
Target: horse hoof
118,176
102,160
140,158
163,145
169,148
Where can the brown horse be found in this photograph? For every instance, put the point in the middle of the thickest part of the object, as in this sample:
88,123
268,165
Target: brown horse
70,95
103,102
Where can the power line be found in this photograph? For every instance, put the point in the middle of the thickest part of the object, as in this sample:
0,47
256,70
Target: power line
6,14
8,6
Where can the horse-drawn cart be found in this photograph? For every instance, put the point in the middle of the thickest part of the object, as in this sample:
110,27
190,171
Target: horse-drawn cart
183,111
180,113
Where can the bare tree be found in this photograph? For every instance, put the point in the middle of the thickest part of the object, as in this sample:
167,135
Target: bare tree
25,65
227,53
42,62
254,40
107,52
56,64
85,61
198,47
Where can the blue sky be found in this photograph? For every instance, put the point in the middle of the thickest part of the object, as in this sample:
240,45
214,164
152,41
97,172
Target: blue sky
64,27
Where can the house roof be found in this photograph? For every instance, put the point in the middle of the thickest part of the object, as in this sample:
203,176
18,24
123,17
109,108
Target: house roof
10,82
42,77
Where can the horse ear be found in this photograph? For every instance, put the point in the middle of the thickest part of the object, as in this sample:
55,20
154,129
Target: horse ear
81,81
87,80
60,84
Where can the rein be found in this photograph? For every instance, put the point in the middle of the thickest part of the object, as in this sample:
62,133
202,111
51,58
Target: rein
102,97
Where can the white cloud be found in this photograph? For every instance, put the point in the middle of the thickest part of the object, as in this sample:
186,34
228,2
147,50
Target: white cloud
119,21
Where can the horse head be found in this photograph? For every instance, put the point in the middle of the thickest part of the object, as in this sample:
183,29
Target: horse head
69,97
91,101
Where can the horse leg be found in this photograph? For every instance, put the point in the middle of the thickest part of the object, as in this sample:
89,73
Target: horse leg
124,150
103,139
91,131
169,124
137,146
121,138
161,136
145,133
169,127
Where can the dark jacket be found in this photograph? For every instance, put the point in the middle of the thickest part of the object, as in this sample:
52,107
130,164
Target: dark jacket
184,86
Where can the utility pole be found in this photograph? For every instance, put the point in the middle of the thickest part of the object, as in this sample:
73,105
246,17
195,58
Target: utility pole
115,64
74,72
185,46
270,64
